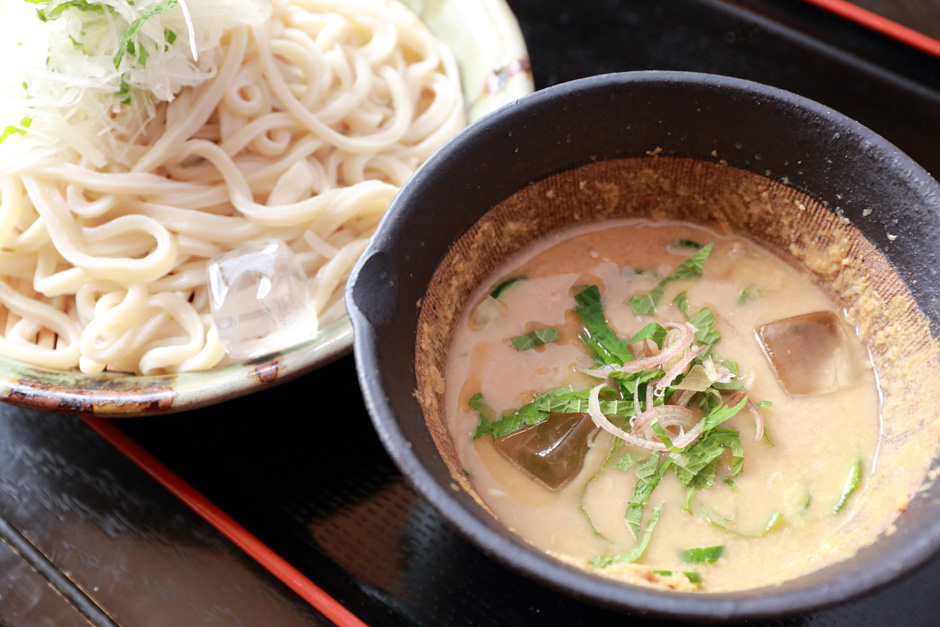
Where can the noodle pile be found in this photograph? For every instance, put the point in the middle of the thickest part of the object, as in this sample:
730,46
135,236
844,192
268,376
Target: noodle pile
307,126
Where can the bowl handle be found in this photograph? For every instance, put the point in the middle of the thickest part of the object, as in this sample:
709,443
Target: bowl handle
375,289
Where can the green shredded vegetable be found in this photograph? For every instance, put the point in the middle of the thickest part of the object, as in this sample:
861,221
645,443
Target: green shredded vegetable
17,129
691,575
539,337
851,484
500,289
702,555
775,519
637,552
598,336
126,45
652,331
717,455
47,14
648,475
645,304
747,294
587,515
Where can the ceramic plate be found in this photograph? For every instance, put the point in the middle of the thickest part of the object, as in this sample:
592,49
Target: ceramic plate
485,39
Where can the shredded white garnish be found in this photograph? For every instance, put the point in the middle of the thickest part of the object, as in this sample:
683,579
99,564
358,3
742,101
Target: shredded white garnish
82,83
192,30
716,372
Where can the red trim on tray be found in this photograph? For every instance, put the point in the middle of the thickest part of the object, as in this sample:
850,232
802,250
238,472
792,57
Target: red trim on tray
309,591
883,25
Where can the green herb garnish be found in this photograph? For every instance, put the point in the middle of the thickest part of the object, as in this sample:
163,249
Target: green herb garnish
637,552
645,304
693,576
768,438
488,416
747,294
47,14
663,436
695,467
699,465
561,405
705,332
652,331
587,516
563,400
647,478
126,45
143,56
497,427
19,130
170,36
851,483
775,519
704,321
558,400
723,413
598,336
702,555
626,462
539,337
502,287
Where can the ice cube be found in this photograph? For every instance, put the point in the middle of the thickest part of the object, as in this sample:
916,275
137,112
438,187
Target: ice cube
552,451
809,353
259,299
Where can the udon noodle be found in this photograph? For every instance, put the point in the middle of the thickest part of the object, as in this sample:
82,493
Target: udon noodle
309,123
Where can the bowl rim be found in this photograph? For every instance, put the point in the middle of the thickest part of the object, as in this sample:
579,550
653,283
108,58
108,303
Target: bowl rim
514,552
116,395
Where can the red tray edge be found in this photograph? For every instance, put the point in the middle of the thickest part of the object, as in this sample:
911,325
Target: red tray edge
260,552
883,25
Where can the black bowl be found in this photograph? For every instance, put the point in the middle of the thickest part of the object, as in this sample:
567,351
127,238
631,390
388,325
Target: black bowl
757,128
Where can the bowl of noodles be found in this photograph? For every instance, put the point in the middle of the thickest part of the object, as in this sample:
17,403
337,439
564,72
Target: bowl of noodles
145,140
677,357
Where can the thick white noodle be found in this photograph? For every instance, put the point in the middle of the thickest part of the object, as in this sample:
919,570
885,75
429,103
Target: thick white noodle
304,132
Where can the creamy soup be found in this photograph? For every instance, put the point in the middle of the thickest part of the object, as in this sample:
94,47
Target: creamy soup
656,402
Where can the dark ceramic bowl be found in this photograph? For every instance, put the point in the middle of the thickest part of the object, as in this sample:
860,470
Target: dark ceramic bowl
778,135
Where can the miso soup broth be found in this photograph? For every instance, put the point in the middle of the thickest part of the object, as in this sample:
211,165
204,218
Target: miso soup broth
660,403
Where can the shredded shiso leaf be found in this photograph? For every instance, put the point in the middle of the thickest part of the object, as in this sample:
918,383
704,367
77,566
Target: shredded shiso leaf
539,337
683,387
851,483
702,555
